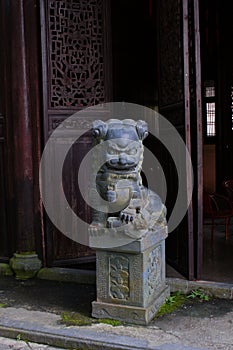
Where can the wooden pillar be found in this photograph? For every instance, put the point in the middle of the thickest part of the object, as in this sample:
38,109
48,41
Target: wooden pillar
22,126
23,111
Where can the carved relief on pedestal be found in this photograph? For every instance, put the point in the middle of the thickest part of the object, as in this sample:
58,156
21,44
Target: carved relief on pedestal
154,270
119,277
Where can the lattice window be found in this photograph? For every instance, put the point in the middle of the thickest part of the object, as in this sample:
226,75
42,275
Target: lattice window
210,116
75,67
209,109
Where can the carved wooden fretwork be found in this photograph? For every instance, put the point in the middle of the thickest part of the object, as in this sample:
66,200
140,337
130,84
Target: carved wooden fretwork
76,65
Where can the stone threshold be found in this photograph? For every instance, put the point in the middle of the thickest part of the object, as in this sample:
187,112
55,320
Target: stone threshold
82,340
215,289
63,274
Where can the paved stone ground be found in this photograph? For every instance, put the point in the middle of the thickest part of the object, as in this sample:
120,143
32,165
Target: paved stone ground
33,309
11,344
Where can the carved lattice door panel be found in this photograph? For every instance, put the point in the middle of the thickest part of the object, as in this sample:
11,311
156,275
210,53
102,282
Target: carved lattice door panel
76,74
179,102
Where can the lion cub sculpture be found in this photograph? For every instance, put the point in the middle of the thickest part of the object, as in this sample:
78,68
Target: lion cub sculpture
122,204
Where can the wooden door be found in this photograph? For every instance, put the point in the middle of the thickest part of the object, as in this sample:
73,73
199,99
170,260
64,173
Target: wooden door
3,177
5,147
4,233
179,102
76,74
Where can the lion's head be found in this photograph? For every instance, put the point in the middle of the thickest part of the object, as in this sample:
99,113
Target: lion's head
123,148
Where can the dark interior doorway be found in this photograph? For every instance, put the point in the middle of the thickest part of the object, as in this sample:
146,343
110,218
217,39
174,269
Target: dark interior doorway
217,81
134,52
134,27
148,38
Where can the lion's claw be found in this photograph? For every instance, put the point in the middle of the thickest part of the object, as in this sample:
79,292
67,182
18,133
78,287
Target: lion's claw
125,217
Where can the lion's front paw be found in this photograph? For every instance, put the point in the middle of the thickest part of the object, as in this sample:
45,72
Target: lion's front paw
134,216
127,215
94,229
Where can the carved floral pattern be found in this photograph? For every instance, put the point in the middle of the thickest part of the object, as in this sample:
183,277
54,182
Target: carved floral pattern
154,270
119,277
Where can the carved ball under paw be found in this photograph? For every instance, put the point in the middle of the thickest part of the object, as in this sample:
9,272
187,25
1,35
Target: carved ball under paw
111,196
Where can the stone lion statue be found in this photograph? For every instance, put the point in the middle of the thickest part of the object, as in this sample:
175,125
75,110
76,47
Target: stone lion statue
120,200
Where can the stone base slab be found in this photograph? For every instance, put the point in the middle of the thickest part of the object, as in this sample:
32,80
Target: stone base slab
127,313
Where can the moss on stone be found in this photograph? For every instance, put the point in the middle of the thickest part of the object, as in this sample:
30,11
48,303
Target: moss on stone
5,270
75,319
109,321
49,274
26,253
25,265
172,303
177,299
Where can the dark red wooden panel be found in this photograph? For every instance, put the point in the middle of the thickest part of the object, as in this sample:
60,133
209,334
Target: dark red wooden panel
76,74
3,220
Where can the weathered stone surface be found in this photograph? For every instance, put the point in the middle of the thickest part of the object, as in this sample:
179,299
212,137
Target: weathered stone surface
196,325
150,239
215,289
129,227
131,278
67,275
25,265
128,313
123,206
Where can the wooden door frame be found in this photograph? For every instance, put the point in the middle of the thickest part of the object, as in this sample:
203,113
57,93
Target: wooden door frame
199,170
190,103
195,241
187,104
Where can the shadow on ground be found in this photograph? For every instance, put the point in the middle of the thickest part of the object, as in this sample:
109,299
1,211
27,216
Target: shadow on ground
58,297
50,296
202,309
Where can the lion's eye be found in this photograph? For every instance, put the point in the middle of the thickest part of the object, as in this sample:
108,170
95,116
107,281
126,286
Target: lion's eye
111,151
132,151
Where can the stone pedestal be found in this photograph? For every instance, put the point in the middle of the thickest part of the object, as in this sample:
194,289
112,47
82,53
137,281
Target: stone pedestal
25,265
131,284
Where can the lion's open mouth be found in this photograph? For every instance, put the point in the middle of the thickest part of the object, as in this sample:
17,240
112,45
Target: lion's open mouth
120,167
